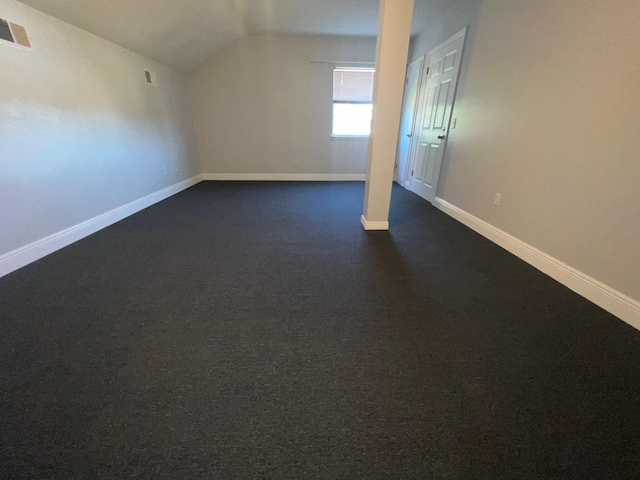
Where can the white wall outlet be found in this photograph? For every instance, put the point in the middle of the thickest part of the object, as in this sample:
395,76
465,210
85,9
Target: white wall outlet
454,122
165,170
497,200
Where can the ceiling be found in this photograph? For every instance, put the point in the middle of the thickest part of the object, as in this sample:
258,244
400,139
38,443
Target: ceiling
185,33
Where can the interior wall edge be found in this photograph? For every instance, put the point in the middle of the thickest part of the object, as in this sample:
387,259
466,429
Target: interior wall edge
23,256
611,300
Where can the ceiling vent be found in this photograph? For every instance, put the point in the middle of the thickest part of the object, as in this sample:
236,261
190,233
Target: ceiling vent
20,35
150,77
14,33
5,31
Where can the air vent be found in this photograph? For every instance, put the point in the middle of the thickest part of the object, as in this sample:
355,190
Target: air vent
150,77
14,33
5,31
20,35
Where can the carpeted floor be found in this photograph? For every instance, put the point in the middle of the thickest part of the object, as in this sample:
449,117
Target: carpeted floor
255,331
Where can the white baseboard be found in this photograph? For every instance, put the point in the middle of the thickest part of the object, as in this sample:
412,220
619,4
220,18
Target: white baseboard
287,177
602,295
22,256
367,225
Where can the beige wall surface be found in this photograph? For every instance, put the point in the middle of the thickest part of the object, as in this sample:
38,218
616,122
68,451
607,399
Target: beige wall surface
548,115
81,132
261,106
447,17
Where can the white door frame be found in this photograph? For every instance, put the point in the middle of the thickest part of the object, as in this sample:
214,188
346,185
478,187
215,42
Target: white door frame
402,177
462,33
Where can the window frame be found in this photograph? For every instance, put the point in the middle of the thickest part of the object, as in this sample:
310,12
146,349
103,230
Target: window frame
334,102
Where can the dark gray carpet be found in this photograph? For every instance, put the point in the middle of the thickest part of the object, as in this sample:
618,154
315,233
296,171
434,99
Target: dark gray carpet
255,331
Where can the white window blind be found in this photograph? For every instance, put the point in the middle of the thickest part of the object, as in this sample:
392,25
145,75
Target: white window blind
353,85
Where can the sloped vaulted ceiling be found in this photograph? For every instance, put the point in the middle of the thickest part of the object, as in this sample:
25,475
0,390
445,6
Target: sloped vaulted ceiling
185,33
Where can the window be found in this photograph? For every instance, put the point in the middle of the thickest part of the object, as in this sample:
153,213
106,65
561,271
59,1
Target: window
352,101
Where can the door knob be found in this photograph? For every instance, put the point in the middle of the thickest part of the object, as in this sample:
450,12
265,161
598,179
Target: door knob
441,137
409,135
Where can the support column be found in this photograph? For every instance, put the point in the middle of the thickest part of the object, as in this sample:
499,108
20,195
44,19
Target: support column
392,50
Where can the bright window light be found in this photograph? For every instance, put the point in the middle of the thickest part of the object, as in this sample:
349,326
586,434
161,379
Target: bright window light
352,101
350,119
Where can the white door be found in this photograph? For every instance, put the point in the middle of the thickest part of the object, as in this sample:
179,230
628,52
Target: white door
437,93
407,121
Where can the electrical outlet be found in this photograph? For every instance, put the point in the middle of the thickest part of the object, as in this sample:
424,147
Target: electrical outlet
165,170
497,200
454,122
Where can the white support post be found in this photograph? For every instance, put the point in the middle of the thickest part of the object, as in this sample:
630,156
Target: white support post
392,50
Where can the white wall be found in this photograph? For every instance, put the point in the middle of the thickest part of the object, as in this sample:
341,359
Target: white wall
81,133
446,17
262,107
549,115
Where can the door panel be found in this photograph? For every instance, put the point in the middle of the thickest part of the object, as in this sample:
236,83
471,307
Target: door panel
428,108
435,103
432,153
441,106
435,67
450,61
425,163
420,161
